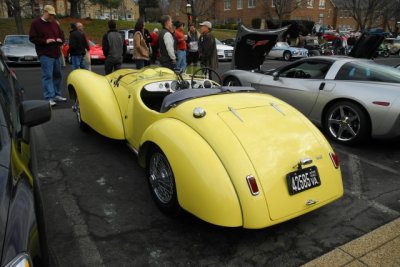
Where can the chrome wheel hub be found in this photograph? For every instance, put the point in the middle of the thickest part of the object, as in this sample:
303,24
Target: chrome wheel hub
344,123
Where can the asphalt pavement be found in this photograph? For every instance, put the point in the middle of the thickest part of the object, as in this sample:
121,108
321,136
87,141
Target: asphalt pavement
99,210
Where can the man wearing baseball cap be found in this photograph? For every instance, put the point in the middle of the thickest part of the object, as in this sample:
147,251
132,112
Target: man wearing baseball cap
48,37
207,46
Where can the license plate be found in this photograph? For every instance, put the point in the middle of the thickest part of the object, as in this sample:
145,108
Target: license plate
95,57
28,58
302,180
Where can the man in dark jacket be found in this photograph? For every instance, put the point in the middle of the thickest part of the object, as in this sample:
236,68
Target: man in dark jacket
48,37
167,44
78,46
114,48
207,46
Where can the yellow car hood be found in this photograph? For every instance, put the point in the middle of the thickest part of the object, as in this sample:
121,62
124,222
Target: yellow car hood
274,137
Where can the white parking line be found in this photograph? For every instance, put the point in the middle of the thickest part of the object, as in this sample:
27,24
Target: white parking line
370,162
356,173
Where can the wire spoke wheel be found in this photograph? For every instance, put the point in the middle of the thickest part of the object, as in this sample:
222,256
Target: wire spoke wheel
161,178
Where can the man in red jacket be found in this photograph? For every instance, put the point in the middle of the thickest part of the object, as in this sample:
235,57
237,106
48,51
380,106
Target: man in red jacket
181,48
48,37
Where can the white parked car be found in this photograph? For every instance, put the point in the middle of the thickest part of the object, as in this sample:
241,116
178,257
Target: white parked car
225,52
287,52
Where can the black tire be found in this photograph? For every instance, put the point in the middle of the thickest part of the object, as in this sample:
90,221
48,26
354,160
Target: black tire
287,56
162,182
386,54
232,81
76,108
345,122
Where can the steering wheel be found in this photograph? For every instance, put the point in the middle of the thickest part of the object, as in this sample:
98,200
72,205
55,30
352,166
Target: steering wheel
206,73
300,74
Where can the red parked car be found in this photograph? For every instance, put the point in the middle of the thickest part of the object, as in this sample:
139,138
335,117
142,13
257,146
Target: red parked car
96,52
329,36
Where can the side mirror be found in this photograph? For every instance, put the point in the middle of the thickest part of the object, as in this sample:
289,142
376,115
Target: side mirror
34,112
275,75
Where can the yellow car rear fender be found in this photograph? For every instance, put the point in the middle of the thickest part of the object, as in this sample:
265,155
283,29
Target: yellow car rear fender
202,183
98,106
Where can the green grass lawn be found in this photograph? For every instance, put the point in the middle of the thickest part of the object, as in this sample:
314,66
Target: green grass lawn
94,28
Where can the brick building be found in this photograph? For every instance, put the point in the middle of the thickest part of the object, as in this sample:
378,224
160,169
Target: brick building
326,12
128,9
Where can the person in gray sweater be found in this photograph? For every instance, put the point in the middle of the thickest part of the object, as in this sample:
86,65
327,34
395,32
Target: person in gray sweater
114,48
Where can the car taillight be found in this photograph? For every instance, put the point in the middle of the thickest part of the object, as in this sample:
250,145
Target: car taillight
335,159
126,42
251,181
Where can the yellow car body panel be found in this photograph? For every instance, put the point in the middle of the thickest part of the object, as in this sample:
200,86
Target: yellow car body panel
203,185
241,134
98,105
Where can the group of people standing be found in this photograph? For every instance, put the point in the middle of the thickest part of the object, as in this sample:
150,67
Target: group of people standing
170,46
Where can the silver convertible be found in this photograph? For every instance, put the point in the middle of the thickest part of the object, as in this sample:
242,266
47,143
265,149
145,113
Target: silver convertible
350,98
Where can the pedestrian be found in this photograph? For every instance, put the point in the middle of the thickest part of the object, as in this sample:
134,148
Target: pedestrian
114,48
48,37
181,46
154,46
62,58
78,46
87,59
148,38
140,48
192,42
167,43
207,46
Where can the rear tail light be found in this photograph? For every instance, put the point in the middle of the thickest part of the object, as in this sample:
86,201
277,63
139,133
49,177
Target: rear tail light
251,181
126,42
335,159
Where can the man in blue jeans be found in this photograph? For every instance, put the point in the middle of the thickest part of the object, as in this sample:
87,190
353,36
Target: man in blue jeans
78,45
48,37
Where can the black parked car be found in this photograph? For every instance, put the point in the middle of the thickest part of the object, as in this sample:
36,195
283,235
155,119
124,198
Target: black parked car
22,228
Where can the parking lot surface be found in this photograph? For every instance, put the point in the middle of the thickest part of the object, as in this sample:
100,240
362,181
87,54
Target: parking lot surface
99,210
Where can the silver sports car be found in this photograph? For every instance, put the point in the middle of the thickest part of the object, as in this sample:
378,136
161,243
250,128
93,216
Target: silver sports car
17,49
350,98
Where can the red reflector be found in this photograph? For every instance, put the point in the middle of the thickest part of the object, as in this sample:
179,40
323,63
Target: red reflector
335,159
381,103
251,181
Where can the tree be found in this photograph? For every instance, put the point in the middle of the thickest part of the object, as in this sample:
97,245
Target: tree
283,8
74,13
14,7
144,4
365,12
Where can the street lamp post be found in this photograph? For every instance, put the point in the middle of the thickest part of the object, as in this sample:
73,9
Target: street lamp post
189,13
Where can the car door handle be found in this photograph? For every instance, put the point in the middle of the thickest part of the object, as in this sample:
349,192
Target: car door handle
321,86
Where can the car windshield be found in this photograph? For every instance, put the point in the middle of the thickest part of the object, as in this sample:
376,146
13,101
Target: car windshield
218,42
282,44
368,71
17,40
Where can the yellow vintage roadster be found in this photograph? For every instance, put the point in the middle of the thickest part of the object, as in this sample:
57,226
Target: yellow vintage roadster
231,156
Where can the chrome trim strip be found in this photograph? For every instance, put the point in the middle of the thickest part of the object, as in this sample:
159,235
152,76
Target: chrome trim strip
231,109
275,106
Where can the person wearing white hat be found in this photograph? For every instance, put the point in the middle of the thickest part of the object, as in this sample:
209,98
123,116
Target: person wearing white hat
48,37
207,46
